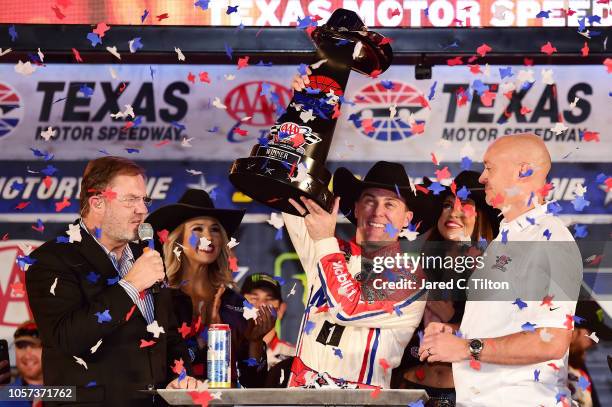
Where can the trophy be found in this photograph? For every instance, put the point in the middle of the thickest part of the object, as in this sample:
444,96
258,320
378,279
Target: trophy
290,162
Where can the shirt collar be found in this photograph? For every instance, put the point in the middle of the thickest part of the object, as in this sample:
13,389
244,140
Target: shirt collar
127,251
527,219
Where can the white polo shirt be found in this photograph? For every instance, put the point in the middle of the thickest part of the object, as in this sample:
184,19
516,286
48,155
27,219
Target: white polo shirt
548,261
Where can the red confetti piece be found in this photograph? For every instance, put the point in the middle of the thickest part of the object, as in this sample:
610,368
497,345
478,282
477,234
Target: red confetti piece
191,77
475,364
17,289
22,205
47,182
454,61
420,373
129,313
585,50
146,344
5,237
487,98
528,61
162,143
243,62
375,393
475,69
163,235
101,29
200,398
553,366
204,77
417,128
162,17
543,192
591,136
608,183
569,322
385,40
469,210
394,12
434,159
375,73
548,49
336,113
323,308
233,263
443,173
608,64
60,206
384,364
184,330
241,132
509,94
109,194
178,366
58,12
547,300
122,87
422,189
497,201
525,110
77,55
483,49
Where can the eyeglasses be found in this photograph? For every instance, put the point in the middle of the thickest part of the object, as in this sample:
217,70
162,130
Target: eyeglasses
130,201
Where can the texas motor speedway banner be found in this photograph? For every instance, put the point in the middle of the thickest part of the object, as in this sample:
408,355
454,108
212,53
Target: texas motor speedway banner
189,123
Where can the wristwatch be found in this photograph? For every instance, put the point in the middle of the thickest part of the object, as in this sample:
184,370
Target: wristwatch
476,346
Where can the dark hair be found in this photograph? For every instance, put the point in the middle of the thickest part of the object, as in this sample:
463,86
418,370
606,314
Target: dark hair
483,228
100,172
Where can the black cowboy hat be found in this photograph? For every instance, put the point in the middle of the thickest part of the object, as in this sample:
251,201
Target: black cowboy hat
469,180
194,203
383,174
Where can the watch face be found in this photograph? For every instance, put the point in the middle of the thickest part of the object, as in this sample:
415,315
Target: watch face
476,345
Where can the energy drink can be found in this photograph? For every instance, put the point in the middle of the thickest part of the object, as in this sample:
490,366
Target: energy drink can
218,357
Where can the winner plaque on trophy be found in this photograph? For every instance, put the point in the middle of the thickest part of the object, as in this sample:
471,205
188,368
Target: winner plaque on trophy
291,163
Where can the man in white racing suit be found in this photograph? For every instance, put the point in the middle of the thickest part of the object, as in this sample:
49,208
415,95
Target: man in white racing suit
353,334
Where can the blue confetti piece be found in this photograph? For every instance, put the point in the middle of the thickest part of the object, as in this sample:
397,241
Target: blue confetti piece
531,196
578,320
113,281
203,4
263,141
479,87
93,277
418,403
580,231
22,261
204,335
528,326
182,375
265,89
231,9
62,239
213,194
98,232
387,84
312,91
436,188
554,208
338,352
421,335
432,91
152,72
13,33
280,280
309,326
251,362
247,304
463,193
580,203
397,191
594,19
505,72
342,42
397,310
151,244
482,243
426,11
391,230
459,334
543,14
504,234
132,150
49,170
18,186
536,375
103,316
525,174
144,16
584,383
136,45
560,396
279,234
178,125
547,234
306,22
600,178
581,24
466,163
303,69
530,220
91,384
228,51
94,39
86,91
213,130
194,240
520,303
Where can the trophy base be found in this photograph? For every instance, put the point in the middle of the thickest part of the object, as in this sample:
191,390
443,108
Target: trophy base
270,182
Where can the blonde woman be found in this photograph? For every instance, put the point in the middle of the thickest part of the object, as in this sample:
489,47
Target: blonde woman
197,261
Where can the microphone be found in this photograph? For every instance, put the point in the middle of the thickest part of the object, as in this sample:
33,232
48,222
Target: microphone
145,234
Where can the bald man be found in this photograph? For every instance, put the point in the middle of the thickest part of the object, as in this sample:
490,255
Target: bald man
513,343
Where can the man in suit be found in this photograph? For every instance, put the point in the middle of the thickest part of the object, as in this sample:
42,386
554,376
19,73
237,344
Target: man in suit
106,326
